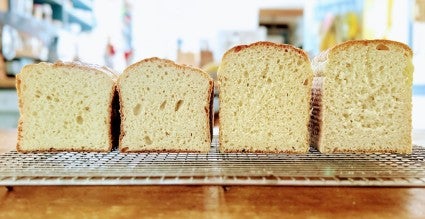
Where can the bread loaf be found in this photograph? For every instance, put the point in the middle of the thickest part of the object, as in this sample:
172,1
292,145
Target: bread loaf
164,107
362,98
265,93
65,107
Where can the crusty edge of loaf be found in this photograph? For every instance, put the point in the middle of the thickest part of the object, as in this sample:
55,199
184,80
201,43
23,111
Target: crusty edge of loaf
207,107
168,62
319,62
315,124
87,66
284,47
83,66
20,107
318,65
350,43
265,151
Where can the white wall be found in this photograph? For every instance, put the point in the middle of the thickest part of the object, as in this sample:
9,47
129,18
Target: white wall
159,23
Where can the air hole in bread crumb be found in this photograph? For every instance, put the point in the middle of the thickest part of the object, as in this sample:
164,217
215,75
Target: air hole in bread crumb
148,140
299,62
167,134
245,74
87,108
269,81
79,120
163,105
381,68
48,97
305,82
382,47
137,109
178,105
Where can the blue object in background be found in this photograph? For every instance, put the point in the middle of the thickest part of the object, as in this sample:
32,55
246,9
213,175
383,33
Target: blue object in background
418,90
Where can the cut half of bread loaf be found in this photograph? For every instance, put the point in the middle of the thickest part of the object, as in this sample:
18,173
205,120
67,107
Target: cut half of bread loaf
164,107
362,98
65,107
265,93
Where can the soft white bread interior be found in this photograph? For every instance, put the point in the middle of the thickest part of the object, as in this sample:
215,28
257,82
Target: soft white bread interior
265,93
362,98
65,107
164,107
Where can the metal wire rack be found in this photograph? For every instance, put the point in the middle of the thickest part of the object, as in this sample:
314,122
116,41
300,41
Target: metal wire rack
213,168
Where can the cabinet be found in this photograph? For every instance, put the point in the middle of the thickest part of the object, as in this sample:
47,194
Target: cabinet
9,113
78,12
26,36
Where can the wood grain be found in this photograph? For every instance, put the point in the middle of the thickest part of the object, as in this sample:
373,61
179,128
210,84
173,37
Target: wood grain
206,201
211,202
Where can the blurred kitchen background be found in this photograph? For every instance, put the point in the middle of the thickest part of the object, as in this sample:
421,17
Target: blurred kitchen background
117,33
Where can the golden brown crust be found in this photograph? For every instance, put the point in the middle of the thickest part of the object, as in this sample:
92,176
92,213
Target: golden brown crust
125,150
284,47
265,152
316,112
360,151
170,63
318,63
52,150
347,44
86,66
208,97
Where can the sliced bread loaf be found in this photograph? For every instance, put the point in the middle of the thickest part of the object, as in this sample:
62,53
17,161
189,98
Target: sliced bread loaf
362,98
164,107
65,107
264,99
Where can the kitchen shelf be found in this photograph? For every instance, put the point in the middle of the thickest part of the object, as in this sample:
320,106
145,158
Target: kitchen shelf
7,82
213,168
68,13
83,4
41,29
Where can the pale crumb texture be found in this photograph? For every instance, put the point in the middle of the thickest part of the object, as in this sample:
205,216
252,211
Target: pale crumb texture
362,98
165,107
265,91
64,107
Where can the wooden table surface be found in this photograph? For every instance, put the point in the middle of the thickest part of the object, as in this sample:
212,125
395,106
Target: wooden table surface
208,201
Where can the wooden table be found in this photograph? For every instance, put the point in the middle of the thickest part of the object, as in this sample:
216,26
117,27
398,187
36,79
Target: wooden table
208,201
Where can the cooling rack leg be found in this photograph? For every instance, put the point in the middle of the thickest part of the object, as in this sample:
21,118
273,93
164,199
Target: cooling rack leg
9,188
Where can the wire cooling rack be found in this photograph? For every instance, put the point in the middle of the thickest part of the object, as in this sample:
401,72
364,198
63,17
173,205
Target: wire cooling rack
213,168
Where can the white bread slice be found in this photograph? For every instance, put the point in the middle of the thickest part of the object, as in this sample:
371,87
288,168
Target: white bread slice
265,93
362,98
164,107
65,107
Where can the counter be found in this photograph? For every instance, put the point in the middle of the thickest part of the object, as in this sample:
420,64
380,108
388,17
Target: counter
209,201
